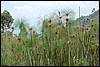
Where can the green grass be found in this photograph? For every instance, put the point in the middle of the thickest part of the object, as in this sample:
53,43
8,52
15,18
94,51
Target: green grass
56,47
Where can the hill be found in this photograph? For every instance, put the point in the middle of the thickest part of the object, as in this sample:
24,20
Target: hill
88,19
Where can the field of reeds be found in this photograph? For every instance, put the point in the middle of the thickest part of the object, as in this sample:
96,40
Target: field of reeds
58,45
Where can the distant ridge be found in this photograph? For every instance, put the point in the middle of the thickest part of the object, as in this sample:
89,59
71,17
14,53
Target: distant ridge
88,19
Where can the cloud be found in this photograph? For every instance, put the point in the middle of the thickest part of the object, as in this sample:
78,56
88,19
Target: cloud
28,10
25,7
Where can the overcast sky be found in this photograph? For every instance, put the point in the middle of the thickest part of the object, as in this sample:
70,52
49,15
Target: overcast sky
31,10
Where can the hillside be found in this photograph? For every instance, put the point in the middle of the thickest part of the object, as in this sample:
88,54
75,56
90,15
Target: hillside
88,19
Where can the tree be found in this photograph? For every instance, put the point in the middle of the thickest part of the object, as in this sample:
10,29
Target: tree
6,20
22,25
93,10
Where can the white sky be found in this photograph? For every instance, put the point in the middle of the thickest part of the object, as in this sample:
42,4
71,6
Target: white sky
31,10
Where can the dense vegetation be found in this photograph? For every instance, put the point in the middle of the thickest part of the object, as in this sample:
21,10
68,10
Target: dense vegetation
58,45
